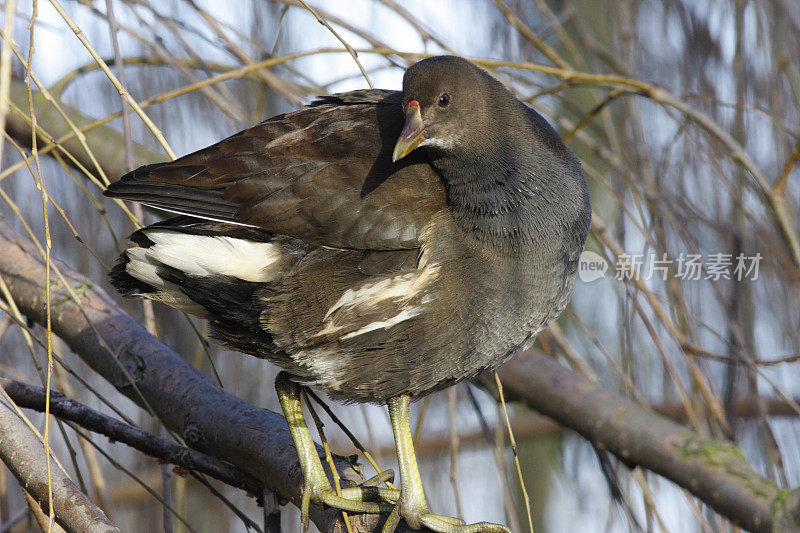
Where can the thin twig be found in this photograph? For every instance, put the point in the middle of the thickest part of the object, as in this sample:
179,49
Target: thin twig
347,47
113,79
513,444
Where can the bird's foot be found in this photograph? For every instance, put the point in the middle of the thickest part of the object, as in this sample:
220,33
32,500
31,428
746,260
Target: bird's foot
411,504
363,498
438,523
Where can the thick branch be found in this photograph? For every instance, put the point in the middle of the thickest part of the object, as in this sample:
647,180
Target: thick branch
31,397
107,143
714,471
528,427
24,456
208,418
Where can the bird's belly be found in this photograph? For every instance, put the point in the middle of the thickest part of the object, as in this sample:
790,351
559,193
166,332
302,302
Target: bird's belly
426,344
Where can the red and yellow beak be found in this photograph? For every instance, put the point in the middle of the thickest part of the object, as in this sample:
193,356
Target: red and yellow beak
412,132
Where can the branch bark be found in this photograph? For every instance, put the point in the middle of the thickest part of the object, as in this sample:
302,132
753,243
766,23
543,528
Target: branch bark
527,426
25,457
714,471
31,397
208,418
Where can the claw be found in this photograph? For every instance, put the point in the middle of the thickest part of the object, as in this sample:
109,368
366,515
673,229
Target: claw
380,477
440,524
305,506
446,524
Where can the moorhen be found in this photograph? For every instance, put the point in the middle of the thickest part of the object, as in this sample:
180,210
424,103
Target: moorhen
379,245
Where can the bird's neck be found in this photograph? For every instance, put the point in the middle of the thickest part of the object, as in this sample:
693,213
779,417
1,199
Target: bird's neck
498,200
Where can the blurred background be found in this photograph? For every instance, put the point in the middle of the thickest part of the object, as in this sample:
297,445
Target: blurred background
686,116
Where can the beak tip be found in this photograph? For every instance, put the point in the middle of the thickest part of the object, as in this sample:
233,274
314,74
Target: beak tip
402,149
399,153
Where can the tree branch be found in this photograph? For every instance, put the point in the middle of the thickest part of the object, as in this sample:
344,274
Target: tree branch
714,471
107,143
25,457
31,397
527,426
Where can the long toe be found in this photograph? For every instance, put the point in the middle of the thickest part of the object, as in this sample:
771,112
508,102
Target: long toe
366,497
440,523
447,524
355,500
360,499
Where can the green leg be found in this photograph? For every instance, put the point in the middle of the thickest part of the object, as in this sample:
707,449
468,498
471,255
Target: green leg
411,505
317,488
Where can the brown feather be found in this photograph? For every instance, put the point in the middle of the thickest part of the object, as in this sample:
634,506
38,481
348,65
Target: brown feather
323,174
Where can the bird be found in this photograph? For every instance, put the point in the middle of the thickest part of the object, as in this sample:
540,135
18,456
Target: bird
379,245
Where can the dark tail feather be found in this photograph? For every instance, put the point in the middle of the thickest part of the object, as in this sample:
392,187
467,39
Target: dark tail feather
158,191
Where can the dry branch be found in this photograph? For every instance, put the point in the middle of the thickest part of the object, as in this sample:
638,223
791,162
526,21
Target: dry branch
714,471
31,397
25,457
527,426
107,143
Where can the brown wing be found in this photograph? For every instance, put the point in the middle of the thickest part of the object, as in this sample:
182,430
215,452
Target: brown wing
323,174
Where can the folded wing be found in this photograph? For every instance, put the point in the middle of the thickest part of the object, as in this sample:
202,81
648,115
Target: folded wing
323,174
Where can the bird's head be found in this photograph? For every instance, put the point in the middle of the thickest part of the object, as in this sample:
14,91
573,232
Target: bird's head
448,103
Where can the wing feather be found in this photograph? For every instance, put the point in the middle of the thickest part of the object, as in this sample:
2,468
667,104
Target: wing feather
322,174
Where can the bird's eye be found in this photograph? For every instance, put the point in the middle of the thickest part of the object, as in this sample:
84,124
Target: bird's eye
444,100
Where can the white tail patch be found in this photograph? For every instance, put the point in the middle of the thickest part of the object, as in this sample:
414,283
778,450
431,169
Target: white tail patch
140,268
201,255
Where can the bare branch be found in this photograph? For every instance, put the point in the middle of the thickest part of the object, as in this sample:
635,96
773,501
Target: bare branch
713,470
108,143
24,455
31,397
